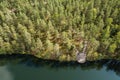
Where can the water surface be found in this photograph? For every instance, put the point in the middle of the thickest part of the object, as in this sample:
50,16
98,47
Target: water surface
22,68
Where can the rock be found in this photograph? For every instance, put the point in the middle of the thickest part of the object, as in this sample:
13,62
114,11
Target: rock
81,58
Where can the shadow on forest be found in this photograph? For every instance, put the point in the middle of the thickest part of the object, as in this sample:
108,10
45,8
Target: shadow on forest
32,61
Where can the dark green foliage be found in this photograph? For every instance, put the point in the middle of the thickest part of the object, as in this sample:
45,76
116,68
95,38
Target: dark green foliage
54,29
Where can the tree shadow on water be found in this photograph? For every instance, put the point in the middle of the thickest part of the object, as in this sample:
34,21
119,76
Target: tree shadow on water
32,61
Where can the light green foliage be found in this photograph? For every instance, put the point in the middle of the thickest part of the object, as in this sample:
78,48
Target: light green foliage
106,33
39,43
1,45
112,48
109,21
118,37
49,45
53,29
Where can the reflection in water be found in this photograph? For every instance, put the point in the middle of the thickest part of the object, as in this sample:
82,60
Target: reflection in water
37,67
5,74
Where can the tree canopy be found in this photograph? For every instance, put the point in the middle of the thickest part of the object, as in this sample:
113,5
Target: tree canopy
54,29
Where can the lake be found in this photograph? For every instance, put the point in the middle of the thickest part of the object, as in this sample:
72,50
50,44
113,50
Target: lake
21,67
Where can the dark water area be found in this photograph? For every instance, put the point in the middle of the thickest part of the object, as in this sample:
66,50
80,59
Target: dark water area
27,67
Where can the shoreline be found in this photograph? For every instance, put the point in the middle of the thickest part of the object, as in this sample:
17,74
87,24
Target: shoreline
27,56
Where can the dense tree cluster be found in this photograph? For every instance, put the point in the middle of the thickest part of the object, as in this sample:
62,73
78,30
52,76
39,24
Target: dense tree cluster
54,29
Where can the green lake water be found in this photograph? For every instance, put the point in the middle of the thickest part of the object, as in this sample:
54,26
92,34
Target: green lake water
33,69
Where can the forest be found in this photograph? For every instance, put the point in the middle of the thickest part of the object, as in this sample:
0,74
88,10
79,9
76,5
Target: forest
54,29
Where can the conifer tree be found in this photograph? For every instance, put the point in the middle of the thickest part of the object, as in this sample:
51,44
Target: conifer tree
38,26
